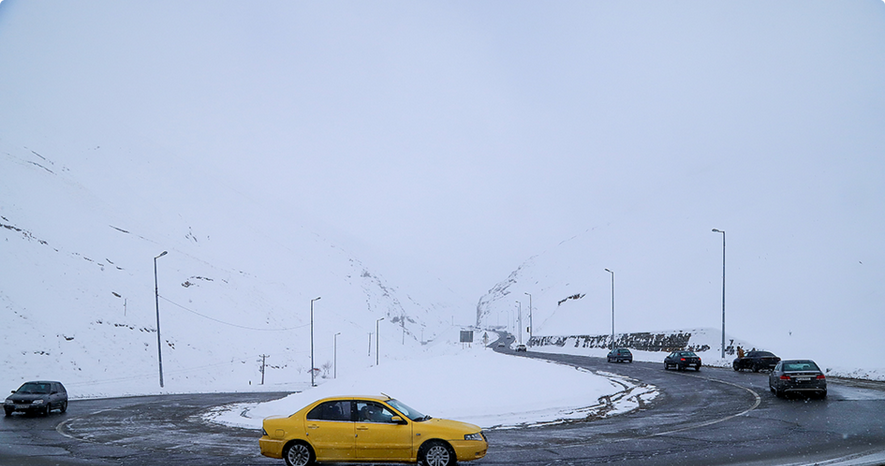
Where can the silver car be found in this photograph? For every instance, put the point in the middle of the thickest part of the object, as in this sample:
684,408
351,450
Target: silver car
797,376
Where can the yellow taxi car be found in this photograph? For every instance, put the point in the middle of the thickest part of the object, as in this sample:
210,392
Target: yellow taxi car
354,429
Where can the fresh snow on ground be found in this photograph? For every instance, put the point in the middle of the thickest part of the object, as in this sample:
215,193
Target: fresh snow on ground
474,385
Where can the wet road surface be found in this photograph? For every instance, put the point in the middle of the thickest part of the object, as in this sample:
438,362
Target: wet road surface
711,417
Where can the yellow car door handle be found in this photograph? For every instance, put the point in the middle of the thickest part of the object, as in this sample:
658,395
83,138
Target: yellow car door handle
362,428
313,426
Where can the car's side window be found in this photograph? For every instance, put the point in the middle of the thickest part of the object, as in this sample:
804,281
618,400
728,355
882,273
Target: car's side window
369,411
331,411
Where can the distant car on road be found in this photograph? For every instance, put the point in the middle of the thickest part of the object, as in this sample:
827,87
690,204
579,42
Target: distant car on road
500,345
620,355
37,397
682,359
756,360
520,348
368,429
797,376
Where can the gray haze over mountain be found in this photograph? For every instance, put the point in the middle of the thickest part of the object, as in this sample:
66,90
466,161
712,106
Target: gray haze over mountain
446,144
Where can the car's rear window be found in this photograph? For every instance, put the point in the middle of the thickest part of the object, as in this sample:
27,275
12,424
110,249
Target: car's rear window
798,366
331,411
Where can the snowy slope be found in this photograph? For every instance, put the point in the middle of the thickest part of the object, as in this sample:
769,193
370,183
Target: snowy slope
80,227
793,316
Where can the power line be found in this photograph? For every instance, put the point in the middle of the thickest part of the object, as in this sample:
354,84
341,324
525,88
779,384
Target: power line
230,324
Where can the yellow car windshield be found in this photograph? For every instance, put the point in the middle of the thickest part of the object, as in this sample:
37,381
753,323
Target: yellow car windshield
408,412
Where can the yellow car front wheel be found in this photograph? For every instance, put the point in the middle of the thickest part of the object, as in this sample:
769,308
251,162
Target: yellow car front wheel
436,453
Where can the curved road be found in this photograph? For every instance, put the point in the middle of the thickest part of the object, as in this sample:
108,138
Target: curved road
713,417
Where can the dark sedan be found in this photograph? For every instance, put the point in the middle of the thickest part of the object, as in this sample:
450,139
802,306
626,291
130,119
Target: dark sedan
37,397
682,359
620,355
756,361
797,376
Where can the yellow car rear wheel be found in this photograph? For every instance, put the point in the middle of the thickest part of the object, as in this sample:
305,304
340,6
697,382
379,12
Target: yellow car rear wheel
298,454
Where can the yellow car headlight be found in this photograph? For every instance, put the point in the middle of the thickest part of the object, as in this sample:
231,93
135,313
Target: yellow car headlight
476,436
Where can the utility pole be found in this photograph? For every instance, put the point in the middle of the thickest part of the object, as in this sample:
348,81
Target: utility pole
531,326
335,354
377,337
312,366
715,230
157,300
263,366
613,307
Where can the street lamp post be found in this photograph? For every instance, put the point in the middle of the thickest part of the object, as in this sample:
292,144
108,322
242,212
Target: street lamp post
157,301
519,320
335,354
613,307
377,338
723,289
312,383
531,327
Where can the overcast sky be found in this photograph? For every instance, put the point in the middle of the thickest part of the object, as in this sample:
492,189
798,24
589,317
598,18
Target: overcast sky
457,139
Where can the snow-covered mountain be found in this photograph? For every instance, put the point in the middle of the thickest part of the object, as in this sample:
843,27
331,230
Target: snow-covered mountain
357,151
766,307
81,226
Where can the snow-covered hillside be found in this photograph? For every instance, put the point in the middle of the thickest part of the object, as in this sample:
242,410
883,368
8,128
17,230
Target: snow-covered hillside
400,159
81,225
796,317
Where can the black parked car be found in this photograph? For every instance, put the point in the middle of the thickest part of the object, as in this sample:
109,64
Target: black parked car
797,376
37,397
756,360
682,359
620,355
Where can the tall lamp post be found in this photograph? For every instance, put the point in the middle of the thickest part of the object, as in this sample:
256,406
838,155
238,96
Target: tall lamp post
335,354
613,307
157,301
723,289
312,383
377,337
531,327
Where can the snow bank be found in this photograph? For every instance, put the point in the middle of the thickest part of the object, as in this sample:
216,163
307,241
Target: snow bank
476,386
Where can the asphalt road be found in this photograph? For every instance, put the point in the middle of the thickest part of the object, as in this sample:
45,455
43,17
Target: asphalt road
712,417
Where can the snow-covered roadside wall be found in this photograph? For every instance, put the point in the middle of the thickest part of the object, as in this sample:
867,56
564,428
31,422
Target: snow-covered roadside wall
644,341
654,346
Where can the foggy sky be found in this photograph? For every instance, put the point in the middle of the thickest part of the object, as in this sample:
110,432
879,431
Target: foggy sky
456,140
